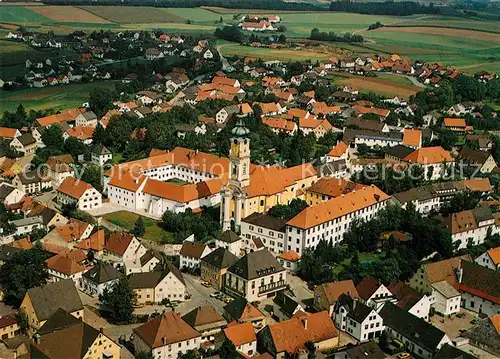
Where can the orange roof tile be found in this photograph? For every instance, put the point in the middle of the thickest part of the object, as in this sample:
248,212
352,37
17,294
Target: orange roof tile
240,334
220,80
323,108
290,256
81,132
64,264
73,187
455,122
183,194
72,231
314,123
23,243
267,107
495,320
429,155
334,187
412,138
494,254
279,123
376,111
95,242
297,113
291,335
118,242
339,149
478,184
333,290
315,215
68,115
445,269
6,132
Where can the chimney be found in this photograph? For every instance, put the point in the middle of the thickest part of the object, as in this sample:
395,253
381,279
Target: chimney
164,340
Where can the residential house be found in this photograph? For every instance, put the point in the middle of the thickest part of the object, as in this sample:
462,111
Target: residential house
449,351
365,350
86,119
242,336
26,225
445,298
285,307
412,138
489,259
226,112
25,144
397,153
458,125
99,277
10,194
67,264
373,293
290,260
213,266
40,303
121,247
327,188
191,254
255,276
485,335
269,230
411,300
339,152
289,338
357,319
101,155
77,192
166,336
418,336
155,286
9,326
206,321
327,294
94,243
435,161
469,226
472,159
31,182
146,263
58,170
230,241
242,311
8,133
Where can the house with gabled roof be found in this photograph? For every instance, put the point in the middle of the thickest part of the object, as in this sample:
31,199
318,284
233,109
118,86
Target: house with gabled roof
243,337
417,335
68,264
80,193
164,332
191,254
163,283
40,303
206,320
99,277
242,311
327,294
373,292
489,259
410,300
288,338
25,144
230,241
145,263
121,247
213,266
285,307
255,276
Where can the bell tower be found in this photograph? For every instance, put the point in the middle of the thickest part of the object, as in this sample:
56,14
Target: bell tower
239,156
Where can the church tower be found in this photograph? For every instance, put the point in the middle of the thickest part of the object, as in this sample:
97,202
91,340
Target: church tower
233,207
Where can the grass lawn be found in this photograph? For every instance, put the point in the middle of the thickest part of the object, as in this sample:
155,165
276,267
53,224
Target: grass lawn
21,14
58,97
127,220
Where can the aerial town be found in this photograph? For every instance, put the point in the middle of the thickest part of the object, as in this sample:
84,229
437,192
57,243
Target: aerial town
173,200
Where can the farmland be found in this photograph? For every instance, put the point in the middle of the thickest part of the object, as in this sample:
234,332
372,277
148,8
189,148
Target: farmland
58,97
134,14
385,85
68,14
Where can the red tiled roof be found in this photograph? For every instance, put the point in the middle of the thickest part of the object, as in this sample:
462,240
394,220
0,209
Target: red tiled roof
73,187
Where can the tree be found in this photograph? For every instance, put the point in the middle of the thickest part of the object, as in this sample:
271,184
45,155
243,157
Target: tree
144,355
228,350
289,211
52,137
22,320
92,174
75,147
139,228
25,270
230,33
101,100
119,300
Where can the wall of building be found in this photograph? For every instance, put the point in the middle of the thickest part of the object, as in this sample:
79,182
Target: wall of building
479,305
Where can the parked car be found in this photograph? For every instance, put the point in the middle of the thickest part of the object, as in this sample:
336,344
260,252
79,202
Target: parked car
206,284
403,355
215,294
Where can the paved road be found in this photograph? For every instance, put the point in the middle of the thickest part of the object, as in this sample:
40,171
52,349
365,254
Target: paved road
413,80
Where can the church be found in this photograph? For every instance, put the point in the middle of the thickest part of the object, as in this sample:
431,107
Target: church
253,188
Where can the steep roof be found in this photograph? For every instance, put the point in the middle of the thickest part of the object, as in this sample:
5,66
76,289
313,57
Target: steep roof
286,303
407,296
72,231
338,150
455,122
152,279
429,155
242,310
220,258
64,264
102,273
412,137
359,312
192,249
494,254
366,350
291,335
367,286
290,256
333,290
445,269
118,242
202,316
74,187
167,328
448,351
6,132
256,264
240,333
48,298
228,237
399,151
183,194
336,207
95,242
334,187
480,281
62,327
417,330
473,156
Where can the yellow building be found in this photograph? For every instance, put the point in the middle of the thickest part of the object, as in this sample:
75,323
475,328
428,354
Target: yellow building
64,336
214,266
252,188
40,303
9,327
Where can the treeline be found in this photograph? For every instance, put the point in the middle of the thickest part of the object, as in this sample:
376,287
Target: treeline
384,8
332,36
242,4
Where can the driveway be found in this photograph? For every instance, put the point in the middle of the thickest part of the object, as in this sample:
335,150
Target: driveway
299,288
452,326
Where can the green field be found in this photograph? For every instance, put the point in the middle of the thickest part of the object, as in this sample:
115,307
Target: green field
232,49
20,14
57,97
134,14
127,220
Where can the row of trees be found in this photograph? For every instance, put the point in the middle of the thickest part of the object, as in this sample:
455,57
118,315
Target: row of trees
401,8
332,36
